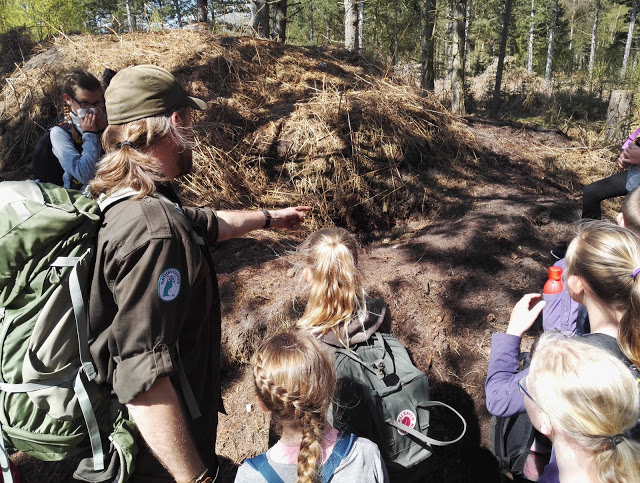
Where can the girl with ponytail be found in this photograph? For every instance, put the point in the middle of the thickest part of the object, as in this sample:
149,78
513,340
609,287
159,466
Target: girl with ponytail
338,310
585,400
295,381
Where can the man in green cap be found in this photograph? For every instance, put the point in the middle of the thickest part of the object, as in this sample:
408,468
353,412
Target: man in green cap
154,307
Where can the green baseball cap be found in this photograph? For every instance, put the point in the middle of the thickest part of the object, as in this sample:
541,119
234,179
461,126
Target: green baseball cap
145,91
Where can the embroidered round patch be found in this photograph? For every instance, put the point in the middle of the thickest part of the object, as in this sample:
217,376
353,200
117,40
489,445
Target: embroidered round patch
408,418
169,284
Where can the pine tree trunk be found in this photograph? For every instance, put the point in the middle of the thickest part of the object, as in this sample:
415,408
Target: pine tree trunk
594,32
467,27
129,17
350,25
456,39
311,33
202,11
426,51
506,19
260,18
176,7
360,25
552,36
280,20
618,116
532,30
627,48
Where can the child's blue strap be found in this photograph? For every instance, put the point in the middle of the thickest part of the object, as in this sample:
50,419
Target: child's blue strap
340,450
261,463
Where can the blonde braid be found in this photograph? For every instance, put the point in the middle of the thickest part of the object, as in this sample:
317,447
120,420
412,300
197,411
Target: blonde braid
310,456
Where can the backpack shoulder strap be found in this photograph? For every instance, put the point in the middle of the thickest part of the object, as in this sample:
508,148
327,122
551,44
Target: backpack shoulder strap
261,464
376,366
422,437
340,450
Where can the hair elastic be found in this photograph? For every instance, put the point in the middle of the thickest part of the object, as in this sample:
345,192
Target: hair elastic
617,439
635,273
131,145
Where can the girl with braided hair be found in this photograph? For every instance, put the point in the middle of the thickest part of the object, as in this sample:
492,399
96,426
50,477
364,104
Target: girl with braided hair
585,400
338,310
295,381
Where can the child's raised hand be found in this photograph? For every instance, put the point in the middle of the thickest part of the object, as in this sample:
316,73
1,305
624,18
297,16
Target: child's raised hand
523,315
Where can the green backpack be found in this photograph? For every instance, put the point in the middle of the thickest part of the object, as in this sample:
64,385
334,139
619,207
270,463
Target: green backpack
383,397
50,406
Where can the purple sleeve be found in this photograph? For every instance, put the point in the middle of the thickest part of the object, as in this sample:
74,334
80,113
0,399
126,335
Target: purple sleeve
551,473
561,311
501,388
631,138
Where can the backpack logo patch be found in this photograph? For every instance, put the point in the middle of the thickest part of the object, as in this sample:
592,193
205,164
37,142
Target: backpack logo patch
408,418
169,284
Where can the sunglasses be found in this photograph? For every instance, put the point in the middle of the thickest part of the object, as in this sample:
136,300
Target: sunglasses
87,104
524,391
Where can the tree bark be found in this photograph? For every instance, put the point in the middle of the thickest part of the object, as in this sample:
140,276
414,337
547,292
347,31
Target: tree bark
280,20
456,69
260,18
201,7
467,27
552,36
311,32
129,17
594,32
627,48
506,19
427,78
532,31
176,7
360,25
350,25
618,116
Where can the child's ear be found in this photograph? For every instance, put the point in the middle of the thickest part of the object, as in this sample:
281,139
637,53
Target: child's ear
576,287
262,405
545,425
306,275
620,219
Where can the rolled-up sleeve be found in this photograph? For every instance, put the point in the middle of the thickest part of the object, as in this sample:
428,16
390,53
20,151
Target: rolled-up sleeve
150,287
206,220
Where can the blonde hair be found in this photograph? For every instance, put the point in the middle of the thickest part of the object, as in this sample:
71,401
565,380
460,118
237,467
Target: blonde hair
295,380
129,165
593,398
605,255
336,292
631,211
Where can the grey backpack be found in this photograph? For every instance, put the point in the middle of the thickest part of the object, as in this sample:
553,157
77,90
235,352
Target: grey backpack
383,397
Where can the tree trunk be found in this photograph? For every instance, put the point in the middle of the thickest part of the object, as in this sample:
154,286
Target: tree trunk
260,18
627,48
280,20
129,17
350,25
467,27
594,31
506,19
395,33
360,25
176,7
456,69
201,7
426,51
532,30
552,36
618,116
311,33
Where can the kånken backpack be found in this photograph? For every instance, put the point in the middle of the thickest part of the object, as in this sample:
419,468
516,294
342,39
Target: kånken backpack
50,407
385,398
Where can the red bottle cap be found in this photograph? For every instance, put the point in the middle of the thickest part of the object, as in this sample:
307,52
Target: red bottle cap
555,273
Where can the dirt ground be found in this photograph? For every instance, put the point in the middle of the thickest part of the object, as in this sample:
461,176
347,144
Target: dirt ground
450,284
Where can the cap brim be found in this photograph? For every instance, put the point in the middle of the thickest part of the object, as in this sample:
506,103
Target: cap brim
198,104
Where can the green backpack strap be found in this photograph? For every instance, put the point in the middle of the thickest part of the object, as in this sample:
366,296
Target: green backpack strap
377,366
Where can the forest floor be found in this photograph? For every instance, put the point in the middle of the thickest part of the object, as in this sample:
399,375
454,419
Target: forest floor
493,200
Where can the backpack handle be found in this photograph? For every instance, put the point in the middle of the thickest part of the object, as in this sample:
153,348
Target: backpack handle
425,439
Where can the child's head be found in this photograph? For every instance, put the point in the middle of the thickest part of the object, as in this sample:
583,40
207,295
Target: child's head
601,261
295,380
330,258
81,90
629,217
587,396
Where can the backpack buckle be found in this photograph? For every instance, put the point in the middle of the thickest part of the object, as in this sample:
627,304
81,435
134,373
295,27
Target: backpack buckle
379,366
89,370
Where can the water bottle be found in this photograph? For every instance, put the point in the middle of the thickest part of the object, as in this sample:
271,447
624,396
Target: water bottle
554,284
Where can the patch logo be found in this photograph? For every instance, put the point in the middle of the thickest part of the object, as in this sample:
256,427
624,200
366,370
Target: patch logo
408,418
169,284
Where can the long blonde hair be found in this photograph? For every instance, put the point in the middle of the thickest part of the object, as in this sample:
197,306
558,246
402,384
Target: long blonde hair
606,255
127,163
296,381
593,397
336,293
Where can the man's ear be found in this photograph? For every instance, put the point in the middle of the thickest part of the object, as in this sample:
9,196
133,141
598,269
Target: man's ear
620,219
